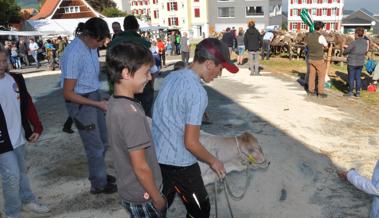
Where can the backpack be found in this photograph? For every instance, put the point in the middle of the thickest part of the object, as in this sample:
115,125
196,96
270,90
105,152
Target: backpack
370,66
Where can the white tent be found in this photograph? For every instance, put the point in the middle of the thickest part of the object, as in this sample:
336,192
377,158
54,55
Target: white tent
68,26
20,33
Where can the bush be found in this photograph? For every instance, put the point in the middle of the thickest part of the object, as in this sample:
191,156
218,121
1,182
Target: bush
113,12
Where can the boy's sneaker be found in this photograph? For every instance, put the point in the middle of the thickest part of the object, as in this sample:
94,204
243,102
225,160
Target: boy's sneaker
357,95
323,95
110,188
36,207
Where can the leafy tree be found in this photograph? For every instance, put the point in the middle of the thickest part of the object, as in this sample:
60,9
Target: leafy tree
9,12
100,5
113,12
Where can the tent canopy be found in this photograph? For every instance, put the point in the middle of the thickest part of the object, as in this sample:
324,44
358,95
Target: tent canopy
68,26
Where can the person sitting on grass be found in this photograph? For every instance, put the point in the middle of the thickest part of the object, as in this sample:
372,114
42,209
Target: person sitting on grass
365,185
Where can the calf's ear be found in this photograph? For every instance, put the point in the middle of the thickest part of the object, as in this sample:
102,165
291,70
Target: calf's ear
245,137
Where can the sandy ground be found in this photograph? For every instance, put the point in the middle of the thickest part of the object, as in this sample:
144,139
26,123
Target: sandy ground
305,138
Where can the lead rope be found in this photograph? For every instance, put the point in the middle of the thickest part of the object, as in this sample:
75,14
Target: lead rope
226,186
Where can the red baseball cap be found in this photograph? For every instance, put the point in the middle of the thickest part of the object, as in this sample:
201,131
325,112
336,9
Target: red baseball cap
220,52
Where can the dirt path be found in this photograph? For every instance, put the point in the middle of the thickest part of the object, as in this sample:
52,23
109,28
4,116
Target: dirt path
304,138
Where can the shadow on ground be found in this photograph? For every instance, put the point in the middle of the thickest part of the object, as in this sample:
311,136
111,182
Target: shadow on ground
307,178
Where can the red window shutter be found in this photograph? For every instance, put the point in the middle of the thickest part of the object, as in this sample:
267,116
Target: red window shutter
327,26
338,1
168,6
175,6
177,21
338,12
291,12
310,11
291,1
299,1
298,26
336,26
329,13
197,12
290,28
330,1
298,12
169,21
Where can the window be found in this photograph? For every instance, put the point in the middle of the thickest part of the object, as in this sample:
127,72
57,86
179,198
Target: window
72,9
294,12
314,11
172,6
325,1
334,11
314,1
324,12
303,26
197,12
226,12
254,11
173,21
156,14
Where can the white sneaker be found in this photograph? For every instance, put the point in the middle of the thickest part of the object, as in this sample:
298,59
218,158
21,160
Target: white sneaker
36,207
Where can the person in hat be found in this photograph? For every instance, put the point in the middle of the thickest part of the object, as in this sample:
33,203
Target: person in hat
177,116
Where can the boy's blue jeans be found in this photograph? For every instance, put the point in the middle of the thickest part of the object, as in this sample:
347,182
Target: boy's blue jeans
16,187
354,74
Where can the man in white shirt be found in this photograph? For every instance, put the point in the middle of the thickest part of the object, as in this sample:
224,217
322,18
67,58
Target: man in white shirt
33,47
266,48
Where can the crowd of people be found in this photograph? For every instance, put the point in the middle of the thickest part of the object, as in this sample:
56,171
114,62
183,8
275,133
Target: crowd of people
28,51
153,163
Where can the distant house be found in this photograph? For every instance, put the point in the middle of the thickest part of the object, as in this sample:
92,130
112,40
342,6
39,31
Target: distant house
361,18
66,9
327,11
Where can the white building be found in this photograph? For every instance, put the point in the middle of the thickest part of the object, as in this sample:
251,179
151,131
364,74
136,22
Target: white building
141,8
186,15
327,11
123,5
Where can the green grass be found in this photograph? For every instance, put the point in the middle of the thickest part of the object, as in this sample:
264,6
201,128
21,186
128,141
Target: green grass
337,73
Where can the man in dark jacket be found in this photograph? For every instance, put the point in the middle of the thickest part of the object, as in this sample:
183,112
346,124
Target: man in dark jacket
17,112
228,39
130,34
253,42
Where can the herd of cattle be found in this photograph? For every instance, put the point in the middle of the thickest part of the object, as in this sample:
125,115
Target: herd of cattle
293,44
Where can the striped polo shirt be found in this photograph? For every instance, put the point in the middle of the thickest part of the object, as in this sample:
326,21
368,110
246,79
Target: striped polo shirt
182,100
82,64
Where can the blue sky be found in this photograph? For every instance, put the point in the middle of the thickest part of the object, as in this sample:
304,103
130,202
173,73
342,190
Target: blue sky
371,5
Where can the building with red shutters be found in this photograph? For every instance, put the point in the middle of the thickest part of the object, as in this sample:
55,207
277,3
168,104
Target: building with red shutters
141,8
328,11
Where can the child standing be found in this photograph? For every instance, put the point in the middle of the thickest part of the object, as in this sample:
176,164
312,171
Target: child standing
133,150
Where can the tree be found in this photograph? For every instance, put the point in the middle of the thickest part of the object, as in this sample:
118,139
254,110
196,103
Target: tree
113,12
9,12
100,5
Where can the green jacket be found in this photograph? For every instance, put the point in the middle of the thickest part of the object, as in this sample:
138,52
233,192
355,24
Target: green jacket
129,36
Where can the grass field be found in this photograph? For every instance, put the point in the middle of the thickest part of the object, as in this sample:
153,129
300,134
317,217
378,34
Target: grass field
337,73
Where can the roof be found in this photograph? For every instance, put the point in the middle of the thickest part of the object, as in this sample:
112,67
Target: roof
356,20
360,17
47,9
